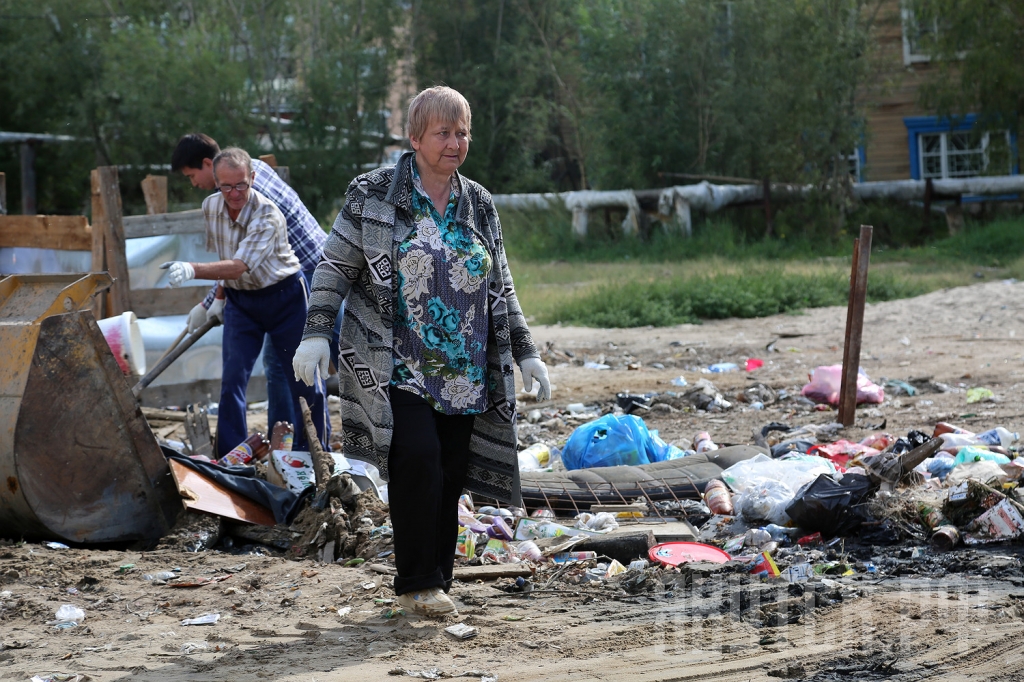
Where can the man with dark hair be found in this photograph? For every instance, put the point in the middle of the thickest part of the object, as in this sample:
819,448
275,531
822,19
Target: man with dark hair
193,157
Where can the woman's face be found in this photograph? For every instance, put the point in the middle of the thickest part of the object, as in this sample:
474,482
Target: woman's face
443,146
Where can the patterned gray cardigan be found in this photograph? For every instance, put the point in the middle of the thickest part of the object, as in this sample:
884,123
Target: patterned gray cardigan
357,267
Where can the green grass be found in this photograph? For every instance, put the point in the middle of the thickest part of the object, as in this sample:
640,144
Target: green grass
670,281
749,294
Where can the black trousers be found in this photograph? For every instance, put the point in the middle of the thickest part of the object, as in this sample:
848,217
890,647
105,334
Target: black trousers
427,464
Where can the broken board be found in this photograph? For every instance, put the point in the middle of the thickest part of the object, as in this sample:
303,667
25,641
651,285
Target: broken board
202,494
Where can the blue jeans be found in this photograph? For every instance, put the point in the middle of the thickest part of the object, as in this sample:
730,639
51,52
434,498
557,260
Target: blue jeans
279,398
277,311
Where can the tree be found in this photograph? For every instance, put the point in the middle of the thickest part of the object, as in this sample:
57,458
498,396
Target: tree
977,48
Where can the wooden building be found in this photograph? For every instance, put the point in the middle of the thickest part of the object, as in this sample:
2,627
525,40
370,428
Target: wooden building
905,141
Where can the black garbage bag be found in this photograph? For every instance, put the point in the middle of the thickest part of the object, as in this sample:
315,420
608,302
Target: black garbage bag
829,507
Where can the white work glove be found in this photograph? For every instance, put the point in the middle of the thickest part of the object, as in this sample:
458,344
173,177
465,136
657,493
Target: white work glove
312,353
196,318
534,368
179,272
216,311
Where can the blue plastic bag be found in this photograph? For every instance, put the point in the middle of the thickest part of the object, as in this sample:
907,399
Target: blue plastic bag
614,440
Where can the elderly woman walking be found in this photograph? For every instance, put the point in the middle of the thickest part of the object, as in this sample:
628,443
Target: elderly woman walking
432,327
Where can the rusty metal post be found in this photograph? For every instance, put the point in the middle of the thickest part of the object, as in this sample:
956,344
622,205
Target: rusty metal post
854,326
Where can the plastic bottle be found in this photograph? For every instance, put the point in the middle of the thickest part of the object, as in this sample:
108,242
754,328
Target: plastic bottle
998,436
780,533
718,498
946,427
255,446
282,437
702,442
952,440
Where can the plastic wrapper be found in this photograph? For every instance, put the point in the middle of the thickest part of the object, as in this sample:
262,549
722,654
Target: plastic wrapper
601,522
615,440
842,452
794,471
831,507
826,381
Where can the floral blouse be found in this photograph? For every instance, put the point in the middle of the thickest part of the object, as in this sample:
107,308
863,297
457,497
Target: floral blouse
440,330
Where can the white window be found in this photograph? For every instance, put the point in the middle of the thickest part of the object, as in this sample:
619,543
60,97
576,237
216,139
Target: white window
958,154
914,34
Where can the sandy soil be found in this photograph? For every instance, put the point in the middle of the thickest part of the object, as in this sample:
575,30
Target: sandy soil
920,616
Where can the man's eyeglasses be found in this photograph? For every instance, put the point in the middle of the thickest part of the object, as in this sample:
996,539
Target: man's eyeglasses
240,187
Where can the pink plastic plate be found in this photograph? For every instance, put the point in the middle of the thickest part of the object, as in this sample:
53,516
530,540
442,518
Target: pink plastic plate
675,553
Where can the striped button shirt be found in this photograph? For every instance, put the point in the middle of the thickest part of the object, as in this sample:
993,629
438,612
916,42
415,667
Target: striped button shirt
258,238
304,233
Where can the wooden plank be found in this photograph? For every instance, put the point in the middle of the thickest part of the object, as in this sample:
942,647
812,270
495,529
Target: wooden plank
205,494
179,222
154,189
269,159
285,173
158,302
100,304
62,232
151,413
107,215
854,327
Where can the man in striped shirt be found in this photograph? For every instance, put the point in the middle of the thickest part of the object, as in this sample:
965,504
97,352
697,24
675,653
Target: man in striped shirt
265,295
193,157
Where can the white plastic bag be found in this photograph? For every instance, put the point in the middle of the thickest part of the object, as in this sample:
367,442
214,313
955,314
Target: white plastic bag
70,613
793,471
766,500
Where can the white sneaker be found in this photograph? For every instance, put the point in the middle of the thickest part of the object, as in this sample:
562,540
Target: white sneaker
431,602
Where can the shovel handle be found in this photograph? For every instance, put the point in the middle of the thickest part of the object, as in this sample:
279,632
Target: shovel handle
165,362
173,345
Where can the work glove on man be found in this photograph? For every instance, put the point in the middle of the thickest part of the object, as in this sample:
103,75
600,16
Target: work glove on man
216,311
534,368
196,317
179,272
200,315
312,353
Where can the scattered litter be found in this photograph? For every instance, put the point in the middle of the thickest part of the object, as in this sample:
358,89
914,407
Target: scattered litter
462,631
55,545
205,619
979,395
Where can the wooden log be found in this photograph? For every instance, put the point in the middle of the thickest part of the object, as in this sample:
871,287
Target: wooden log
61,232
158,302
492,572
623,546
154,189
854,327
179,222
107,215
323,463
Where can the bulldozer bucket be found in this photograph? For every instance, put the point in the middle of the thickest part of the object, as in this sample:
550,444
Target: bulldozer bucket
78,461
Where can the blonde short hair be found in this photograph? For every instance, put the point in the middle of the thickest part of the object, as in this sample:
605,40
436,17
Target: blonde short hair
234,157
439,103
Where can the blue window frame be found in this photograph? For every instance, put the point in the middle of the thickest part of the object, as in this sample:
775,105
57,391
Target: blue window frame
946,148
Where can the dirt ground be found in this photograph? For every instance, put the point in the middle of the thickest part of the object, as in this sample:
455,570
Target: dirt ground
918,615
